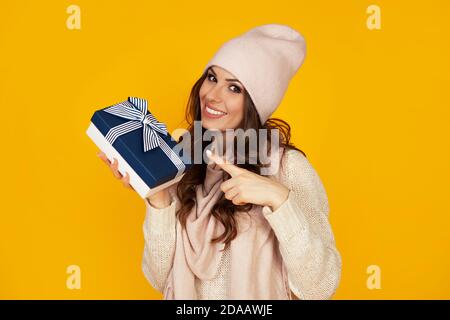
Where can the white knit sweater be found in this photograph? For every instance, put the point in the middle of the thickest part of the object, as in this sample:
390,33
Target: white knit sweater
300,224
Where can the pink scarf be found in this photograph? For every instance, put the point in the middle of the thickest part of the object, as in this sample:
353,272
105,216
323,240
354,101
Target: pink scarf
257,270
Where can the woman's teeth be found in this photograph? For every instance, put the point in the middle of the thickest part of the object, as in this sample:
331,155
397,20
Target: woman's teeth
211,111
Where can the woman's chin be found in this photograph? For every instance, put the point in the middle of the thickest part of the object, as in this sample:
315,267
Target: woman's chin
212,124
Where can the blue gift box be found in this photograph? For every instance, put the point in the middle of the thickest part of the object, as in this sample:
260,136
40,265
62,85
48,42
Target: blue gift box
128,132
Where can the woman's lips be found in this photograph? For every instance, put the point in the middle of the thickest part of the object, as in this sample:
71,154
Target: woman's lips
212,113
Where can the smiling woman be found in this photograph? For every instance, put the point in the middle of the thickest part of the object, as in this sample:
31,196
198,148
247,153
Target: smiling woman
226,231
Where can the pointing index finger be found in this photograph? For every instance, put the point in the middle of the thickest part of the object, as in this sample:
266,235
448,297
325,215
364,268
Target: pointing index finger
228,167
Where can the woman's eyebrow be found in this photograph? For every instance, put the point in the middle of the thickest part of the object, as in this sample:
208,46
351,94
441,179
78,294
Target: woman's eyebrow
233,80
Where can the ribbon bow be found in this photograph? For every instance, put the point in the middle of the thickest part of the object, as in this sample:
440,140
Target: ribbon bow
135,109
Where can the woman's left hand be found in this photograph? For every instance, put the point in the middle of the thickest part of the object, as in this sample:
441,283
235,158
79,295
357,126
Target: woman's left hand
245,186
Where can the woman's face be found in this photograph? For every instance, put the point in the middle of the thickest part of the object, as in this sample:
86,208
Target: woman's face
221,100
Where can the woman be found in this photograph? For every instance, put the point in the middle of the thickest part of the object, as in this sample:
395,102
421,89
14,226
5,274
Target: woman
226,231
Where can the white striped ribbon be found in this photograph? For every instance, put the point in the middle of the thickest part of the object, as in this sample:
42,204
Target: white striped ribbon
135,109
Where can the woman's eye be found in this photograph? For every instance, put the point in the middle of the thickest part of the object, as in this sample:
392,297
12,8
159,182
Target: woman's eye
237,90
209,76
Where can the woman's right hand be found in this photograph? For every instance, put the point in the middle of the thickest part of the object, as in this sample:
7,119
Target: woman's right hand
160,199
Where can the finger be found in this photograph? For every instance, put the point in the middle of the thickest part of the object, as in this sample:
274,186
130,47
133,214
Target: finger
232,193
102,156
114,168
236,196
126,177
229,184
228,167
237,200
126,180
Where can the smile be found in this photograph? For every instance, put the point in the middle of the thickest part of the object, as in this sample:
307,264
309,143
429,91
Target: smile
213,113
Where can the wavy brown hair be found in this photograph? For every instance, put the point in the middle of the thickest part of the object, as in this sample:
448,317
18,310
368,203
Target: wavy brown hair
224,209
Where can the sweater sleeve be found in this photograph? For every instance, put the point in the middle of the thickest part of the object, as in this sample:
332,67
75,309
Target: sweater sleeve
305,237
159,243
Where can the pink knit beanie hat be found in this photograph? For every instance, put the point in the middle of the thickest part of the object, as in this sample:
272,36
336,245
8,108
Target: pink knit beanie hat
264,59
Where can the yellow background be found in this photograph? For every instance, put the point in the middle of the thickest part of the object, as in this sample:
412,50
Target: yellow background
369,107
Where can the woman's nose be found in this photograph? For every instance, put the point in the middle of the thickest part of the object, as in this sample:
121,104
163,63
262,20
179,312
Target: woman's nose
214,95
